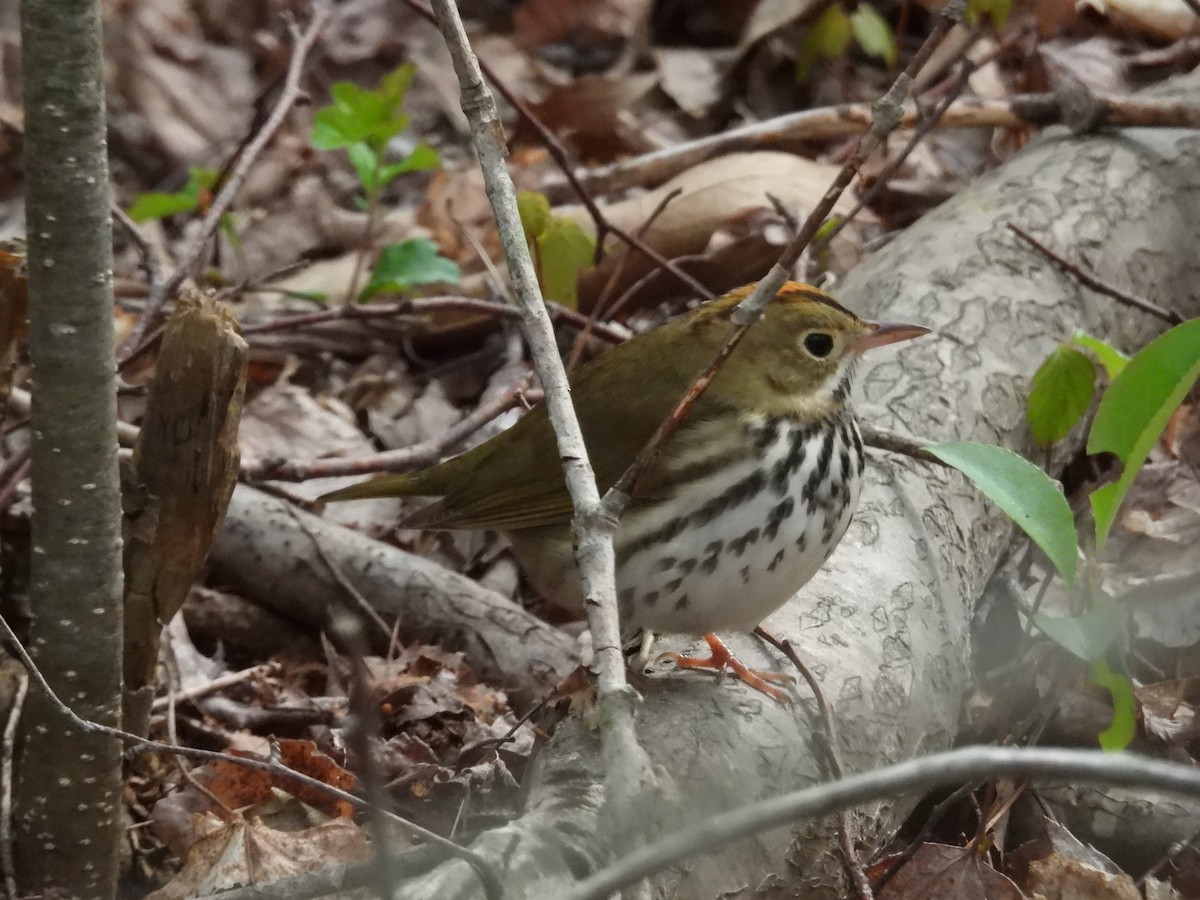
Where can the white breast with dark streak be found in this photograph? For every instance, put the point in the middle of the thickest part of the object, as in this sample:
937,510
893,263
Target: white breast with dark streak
767,525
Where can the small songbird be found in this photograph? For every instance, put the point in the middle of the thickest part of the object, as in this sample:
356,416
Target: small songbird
743,505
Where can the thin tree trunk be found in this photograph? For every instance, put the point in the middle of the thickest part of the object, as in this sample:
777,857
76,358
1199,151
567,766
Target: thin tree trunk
67,827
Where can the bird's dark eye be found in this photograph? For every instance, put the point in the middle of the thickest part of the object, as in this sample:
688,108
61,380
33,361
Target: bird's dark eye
819,344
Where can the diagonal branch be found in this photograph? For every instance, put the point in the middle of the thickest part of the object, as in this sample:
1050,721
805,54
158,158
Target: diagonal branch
627,767
162,291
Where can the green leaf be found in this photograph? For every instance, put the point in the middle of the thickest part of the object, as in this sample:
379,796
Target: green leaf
1106,354
366,164
828,38
534,210
422,159
1061,393
394,85
318,297
408,264
1135,409
1087,635
1121,731
997,10
1030,497
155,205
358,115
827,228
873,33
564,249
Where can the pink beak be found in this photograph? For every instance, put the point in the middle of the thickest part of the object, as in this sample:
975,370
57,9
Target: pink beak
887,333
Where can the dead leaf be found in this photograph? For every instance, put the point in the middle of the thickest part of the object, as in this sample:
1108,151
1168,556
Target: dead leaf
1165,19
942,872
1094,62
592,113
248,853
172,79
1168,710
1058,877
771,16
711,195
695,79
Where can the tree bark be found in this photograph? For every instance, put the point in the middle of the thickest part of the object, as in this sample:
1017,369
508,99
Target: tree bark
269,553
886,624
69,786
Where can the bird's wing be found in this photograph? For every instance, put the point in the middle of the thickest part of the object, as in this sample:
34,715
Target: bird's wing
515,480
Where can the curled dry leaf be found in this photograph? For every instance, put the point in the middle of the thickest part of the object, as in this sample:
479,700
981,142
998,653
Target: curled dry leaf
173,819
939,870
694,79
457,205
240,853
1165,19
1168,710
711,196
1060,876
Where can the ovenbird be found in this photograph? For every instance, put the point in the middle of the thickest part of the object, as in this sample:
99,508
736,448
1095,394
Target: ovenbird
746,500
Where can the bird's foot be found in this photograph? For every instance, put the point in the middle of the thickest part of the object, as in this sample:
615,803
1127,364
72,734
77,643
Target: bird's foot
722,658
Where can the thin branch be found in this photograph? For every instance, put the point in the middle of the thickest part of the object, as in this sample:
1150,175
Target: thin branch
147,255
193,251
161,704
848,119
1087,278
428,305
885,119
559,154
891,442
139,744
402,460
627,767
893,165
850,861
912,776
7,862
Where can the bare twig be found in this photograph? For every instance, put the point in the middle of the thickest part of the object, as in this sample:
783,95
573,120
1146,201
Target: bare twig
139,744
891,442
927,125
1087,278
886,118
627,767
935,770
428,305
559,154
423,454
846,120
363,725
850,860
354,604
160,704
193,251
6,786
146,252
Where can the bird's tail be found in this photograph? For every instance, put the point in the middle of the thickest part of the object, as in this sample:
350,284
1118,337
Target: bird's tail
386,486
